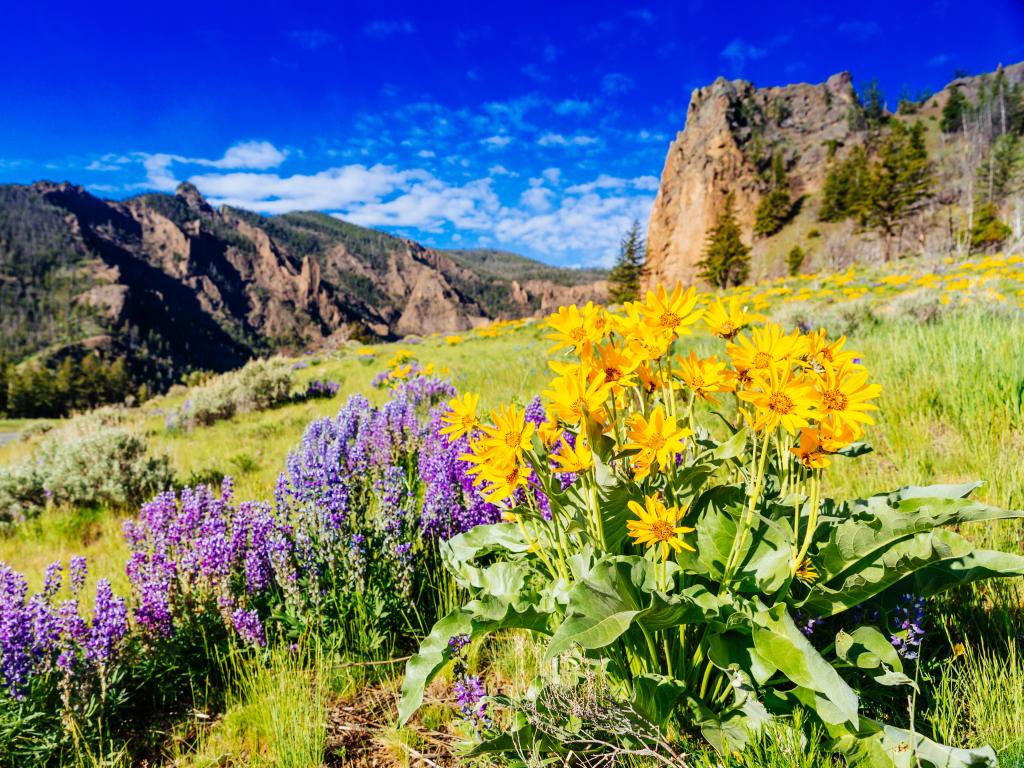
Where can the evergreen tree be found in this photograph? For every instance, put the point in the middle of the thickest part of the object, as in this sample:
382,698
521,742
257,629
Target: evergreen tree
873,107
624,279
795,260
845,187
726,259
776,207
953,111
988,230
900,181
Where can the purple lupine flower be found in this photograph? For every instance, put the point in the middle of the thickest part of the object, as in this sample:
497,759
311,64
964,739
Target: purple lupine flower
109,625
248,626
53,578
15,632
910,618
79,570
471,696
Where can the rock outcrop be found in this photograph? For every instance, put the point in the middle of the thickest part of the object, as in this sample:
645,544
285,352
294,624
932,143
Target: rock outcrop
170,279
732,130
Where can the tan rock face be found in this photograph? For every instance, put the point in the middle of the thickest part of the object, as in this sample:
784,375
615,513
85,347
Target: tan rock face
732,130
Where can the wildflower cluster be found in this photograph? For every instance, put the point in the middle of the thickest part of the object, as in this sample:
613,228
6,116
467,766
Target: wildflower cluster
321,389
45,638
664,516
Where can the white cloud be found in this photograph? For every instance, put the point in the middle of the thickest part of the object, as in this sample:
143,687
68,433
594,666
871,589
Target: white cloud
536,198
606,182
425,153
551,139
573,107
496,142
739,51
329,189
499,170
248,155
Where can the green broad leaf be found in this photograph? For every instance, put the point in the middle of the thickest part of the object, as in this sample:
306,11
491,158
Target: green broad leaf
974,566
867,648
717,511
655,697
618,593
614,497
875,574
853,450
600,609
779,641
732,447
735,650
875,745
481,540
476,618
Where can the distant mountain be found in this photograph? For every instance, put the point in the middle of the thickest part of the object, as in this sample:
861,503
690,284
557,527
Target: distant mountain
176,285
736,135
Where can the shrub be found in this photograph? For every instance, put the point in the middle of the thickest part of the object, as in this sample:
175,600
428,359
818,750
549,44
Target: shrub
105,466
259,385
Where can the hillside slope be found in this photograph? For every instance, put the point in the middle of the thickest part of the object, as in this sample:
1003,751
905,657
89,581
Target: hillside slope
177,285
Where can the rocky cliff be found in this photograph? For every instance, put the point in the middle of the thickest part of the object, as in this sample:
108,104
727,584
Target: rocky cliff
175,284
732,132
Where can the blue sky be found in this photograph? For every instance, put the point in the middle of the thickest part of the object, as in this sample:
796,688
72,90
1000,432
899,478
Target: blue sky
537,127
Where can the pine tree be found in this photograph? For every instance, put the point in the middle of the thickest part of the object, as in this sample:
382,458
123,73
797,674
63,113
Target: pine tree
4,377
795,260
776,207
988,230
873,104
845,187
726,259
953,111
900,181
624,279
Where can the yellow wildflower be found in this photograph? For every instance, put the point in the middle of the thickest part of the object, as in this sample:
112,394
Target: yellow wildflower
781,399
658,440
572,396
508,437
656,525
725,321
846,395
671,313
461,418
705,376
570,459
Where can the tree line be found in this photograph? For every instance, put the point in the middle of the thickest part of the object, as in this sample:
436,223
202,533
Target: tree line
33,390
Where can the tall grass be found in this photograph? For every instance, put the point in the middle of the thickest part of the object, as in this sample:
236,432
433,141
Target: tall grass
276,714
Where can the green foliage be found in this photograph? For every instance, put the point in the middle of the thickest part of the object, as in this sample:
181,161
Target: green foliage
953,111
1000,173
900,180
103,466
845,187
259,385
624,279
34,391
873,104
775,208
795,260
988,230
726,259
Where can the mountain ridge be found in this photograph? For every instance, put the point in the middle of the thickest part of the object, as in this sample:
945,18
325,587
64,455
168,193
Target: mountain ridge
176,285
